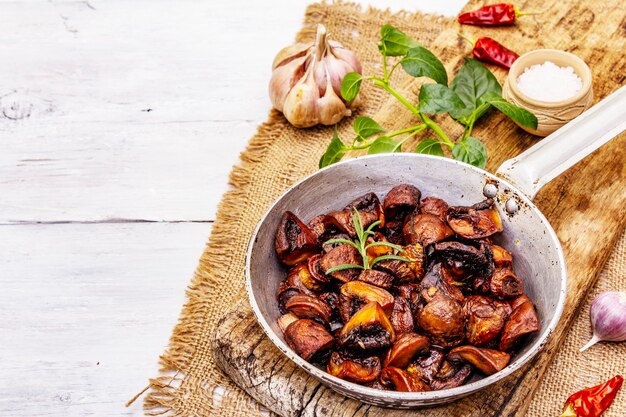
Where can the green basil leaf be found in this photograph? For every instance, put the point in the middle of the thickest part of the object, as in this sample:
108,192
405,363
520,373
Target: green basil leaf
471,82
394,42
429,147
420,62
437,98
384,144
365,127
471,151
517,114
350,85
335,151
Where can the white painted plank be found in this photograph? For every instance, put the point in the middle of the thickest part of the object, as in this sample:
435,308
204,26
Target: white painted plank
85,311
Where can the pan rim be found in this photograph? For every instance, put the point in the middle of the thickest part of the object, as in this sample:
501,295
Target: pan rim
430,397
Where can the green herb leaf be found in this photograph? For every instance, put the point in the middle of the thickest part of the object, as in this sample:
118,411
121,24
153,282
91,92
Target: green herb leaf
365,127
388,258
394,42
342,241
429,147
350,85
437,98
518,114
372,226
343,267
420,62
384,144
471,151
387,244
358,224
470,84
335,151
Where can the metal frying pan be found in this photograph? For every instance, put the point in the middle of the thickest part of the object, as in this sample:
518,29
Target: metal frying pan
537,253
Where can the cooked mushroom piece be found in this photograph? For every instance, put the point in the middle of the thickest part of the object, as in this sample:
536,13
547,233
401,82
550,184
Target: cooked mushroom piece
309,307
294,242
406,347
485,319
427,366
411,293
415,254
358,370
402,380
518,301
501,256
435,206
393,231
442,318
487,361
327,247
523,321
474,260
369,209
401,200
376,251
355,294
434,283
285,320
309,339
323,226
400,271
286,291
476,222
369,329
401,316
505,284
456,377
342,254
332,299
379,278
425,229
299,276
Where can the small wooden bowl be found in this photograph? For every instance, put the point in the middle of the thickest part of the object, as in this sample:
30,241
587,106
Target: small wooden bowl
551,115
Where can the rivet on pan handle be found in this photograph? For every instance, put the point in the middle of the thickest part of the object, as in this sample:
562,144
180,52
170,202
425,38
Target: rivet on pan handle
541,163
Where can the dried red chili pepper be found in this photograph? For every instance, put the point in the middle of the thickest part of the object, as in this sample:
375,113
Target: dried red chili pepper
591,402
489,50
501,14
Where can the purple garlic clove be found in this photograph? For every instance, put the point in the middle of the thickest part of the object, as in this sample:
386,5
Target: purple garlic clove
608,318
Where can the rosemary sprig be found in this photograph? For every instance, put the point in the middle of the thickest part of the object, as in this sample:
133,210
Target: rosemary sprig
361,245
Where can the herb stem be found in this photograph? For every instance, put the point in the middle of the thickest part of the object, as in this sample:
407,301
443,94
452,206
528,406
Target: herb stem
414,129
392,70
435,127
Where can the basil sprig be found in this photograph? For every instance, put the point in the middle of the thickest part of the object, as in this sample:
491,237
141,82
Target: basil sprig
471,94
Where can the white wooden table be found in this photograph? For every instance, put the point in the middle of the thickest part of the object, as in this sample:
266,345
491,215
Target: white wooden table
119,123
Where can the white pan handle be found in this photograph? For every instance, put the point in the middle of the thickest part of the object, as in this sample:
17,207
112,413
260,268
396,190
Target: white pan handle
541,163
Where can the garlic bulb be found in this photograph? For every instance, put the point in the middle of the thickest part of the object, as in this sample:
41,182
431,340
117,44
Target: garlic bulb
608,318
306,81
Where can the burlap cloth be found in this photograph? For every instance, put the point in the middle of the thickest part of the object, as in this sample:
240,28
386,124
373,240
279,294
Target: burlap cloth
278,155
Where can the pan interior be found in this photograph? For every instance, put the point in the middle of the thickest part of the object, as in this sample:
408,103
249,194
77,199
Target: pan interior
536,252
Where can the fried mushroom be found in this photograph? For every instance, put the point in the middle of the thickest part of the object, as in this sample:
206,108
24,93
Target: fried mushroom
359,370
309,339
405,348
401,200
487,361
442,318
485,319
476,222
342,254
355,294
402,380
367,330
522,321
294,242
425,229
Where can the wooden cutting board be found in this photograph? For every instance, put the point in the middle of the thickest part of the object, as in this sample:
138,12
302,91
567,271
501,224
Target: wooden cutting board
586,208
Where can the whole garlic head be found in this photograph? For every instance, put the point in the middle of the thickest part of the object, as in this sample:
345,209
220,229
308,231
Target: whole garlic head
306,81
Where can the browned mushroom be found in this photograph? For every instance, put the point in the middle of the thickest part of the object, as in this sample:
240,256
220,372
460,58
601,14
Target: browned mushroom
342,254
294,242
286,291
518,301
400,271
402,380
411,293
456,376
501,256
369,208
401,316
375,251
332,300
427,366
442,318
415,254
358,370
309,307
476,222
505,284
285,320
393,231
473,260
404,349
487,361
316,273
309,339
379,278
401,200
327,247
323,226
435,206
425,229
523,320
485,319
354,294
368,329
434,283
299,276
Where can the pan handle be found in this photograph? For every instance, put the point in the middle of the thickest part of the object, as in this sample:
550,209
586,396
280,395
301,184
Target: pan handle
541,163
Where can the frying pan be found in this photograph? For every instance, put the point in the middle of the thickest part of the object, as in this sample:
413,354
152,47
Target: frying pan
537,253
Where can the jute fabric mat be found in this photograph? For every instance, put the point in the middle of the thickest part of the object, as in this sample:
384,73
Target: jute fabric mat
278,155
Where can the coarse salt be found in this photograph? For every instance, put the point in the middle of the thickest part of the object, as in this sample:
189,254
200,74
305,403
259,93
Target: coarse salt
549,82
